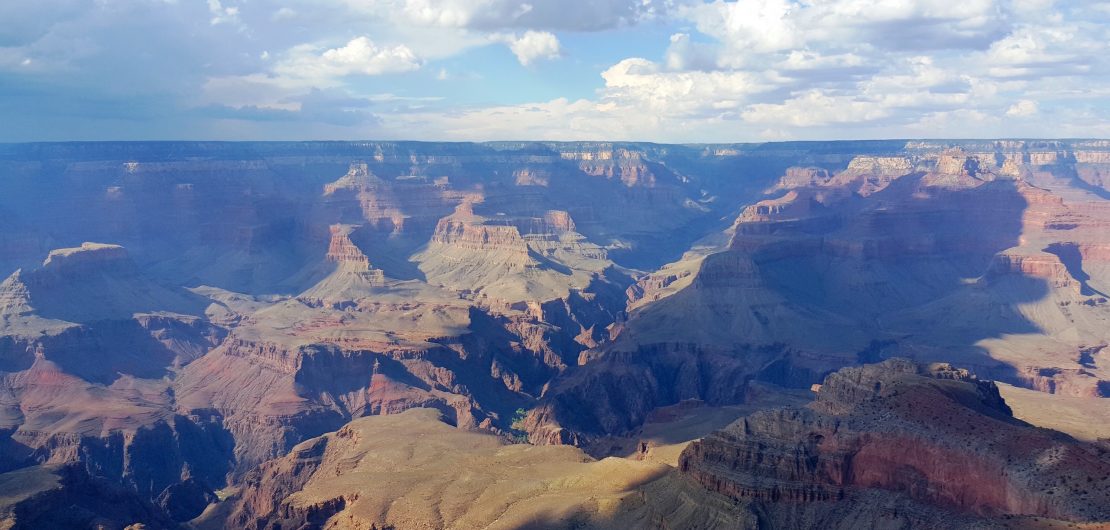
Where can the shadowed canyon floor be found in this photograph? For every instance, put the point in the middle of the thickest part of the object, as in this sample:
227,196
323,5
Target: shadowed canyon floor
364,335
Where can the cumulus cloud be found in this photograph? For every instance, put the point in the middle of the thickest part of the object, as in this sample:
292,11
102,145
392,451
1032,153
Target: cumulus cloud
306,83
747,26
1043,50
532,46
910,24
359,56
1025,107
643,84
940,123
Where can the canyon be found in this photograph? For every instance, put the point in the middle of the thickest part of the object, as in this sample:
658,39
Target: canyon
564,335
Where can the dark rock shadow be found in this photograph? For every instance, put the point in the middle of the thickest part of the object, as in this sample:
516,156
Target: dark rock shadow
909,249
100,352
1073,261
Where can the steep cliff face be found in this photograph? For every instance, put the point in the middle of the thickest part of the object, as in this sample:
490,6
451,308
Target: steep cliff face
932,434
342,250
90,311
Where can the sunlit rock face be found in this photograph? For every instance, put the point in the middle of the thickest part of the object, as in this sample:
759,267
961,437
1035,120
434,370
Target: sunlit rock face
175,315
932,439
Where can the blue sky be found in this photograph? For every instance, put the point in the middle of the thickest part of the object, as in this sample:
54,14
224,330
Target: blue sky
654,70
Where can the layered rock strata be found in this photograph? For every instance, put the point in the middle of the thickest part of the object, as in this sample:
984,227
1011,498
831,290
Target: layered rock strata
928,435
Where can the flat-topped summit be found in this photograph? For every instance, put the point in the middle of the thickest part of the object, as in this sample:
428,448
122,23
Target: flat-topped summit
94,281
86,253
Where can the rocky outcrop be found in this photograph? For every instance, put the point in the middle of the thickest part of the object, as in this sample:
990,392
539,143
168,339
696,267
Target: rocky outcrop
467,231
353,277
89,257
1036,265
932,434
789,206
342,250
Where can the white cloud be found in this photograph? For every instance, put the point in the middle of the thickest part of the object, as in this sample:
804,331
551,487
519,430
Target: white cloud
1043,50
1025,107
360,56
532,46
747,29
221,14
644,85
746,26
303,68
949,123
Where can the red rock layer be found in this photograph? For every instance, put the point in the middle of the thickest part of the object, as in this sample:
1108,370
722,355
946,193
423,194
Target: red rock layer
933,434
483,237
342,250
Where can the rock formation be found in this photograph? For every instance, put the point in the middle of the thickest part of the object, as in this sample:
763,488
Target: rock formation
933,441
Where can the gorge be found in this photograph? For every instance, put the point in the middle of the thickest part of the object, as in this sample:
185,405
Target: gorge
555,334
